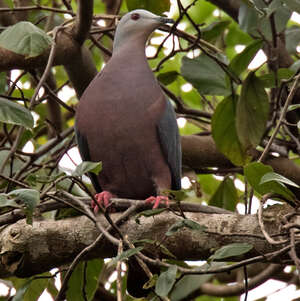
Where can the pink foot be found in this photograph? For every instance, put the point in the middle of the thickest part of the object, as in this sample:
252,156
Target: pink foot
156,200
102,199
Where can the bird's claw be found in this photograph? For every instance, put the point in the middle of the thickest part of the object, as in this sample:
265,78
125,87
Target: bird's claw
102,199
157,200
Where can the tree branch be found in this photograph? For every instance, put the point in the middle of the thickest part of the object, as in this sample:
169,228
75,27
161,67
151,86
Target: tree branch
83,21
27,250
200,152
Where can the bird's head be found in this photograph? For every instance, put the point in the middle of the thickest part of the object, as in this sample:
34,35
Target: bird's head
138,24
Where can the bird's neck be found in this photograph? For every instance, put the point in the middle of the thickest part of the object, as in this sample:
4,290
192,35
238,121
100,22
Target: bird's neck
131,48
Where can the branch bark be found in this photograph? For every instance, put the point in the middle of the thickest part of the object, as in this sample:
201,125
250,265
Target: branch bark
200,152
83,21
28,250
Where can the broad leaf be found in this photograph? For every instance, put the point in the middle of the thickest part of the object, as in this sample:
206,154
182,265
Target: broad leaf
272,176
126,254
184,223
155,6
234,249
87,166
84,279
225,134
36,288
19,296
252,112
254,173
205,75
29,197
166,281
269,79
14,113
292,39
187,285
6,202
293,5
294,107
168,77
150,212
214,30
225,196
253,22
241,61
25,38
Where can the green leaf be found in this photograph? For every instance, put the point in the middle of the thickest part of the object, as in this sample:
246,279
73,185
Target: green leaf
257,24
3,83
151,282
187,285
225,134
25,38
241,61
36,288
19,296
184,223
155,6
231,250
269,79
254,173
292,39
14,113
294,107
205,75
29,197
151,212
84,279
126,254
272,176
166,281
214,30
293,5
87,166
252,112
168,77
225,196
6,202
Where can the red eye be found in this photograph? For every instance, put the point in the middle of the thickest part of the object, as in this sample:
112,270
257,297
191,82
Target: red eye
135,16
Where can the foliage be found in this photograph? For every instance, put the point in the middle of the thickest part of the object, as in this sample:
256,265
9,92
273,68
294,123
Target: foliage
210,82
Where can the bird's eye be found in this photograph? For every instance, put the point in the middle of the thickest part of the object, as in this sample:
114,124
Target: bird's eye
135,16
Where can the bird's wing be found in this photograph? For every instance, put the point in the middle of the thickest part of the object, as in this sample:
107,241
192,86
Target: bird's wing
170,142
85,155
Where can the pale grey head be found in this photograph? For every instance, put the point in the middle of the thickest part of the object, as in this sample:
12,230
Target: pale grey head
137,25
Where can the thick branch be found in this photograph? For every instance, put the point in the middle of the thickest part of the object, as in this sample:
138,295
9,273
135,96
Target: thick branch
83,21
81,70
65,51
27,250
200,152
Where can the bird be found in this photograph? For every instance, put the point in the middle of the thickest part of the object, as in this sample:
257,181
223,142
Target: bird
124,120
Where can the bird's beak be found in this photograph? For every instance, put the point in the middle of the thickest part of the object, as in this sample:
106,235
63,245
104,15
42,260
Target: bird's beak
165,20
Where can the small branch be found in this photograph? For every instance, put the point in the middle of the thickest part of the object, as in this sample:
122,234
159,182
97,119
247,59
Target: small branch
281,118
239,288
261,222
119,273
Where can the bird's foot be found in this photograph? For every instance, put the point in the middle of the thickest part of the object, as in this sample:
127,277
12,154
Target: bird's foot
157,200
102,199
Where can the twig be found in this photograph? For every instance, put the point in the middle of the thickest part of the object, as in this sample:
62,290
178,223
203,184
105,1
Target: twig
284,110
261,222
119,273
48,66
88,249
